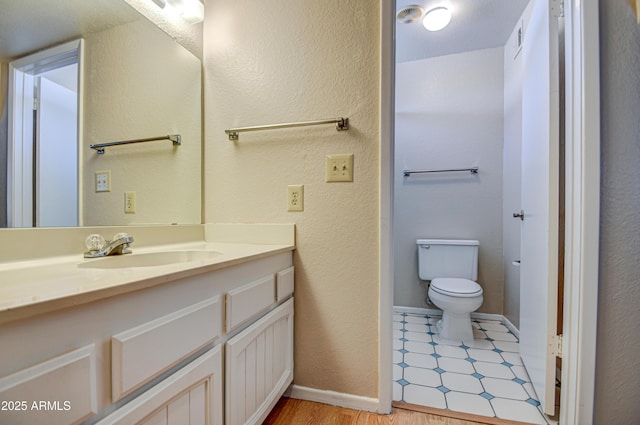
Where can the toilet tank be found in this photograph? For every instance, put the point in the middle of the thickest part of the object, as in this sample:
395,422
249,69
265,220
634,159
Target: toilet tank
447,258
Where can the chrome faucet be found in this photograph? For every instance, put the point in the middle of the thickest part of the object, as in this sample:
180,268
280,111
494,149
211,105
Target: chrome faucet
118,246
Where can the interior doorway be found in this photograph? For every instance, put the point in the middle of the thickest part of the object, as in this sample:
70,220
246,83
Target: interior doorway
43,151
582,209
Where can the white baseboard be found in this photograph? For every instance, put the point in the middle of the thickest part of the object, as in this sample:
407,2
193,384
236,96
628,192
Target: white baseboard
416,310
333,398
474,315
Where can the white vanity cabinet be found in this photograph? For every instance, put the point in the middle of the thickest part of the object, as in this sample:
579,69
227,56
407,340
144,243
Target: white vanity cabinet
157,355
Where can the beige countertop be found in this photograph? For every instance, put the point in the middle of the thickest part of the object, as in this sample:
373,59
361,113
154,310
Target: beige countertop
37,286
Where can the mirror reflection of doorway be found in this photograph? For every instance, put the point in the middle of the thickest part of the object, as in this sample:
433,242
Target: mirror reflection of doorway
43,183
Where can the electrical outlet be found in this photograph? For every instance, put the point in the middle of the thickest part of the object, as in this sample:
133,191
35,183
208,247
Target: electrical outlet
340,168
103,181
295,197
129,202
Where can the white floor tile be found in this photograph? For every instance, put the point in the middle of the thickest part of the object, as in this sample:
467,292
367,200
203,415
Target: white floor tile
419,347
507,346
521,373
513,358
469,403
437,339
416,327
397,391
450,351
517,411
416,319
455,365
424,396
478,334
504,388
420,376
528,387
461,382
485,355
397,356
502,336
493,325
480,343
397,344
396,372
420,360
493,370
417,336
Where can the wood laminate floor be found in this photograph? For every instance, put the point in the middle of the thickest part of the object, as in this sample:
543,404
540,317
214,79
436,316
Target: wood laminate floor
290,411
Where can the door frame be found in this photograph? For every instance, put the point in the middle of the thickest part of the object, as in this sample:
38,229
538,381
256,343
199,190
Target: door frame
19,186
582,61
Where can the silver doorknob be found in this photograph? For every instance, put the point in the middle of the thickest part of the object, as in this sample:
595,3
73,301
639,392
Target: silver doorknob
519,215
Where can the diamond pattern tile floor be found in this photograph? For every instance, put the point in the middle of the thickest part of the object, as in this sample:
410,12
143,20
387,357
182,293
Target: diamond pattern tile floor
483,377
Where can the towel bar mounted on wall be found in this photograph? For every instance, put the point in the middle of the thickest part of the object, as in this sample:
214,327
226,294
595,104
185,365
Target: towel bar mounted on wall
341,124
472,170
175,138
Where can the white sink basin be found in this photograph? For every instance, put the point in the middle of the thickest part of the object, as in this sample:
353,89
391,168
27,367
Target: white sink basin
150,259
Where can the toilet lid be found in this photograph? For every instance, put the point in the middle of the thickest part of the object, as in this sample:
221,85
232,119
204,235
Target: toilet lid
456,287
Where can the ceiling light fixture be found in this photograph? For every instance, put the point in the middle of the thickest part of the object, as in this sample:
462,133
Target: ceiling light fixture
191,11
437,18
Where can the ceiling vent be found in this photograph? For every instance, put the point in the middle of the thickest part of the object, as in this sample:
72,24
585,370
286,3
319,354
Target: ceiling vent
410,14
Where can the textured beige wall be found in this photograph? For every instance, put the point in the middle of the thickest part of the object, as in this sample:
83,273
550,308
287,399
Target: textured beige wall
276,61
617,374
140,83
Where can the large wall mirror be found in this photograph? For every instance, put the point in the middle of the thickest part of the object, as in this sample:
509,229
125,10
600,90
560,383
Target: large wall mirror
95,72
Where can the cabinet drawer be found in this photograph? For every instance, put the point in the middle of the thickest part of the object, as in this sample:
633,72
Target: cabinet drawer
142,353
42,399
247,301
284,284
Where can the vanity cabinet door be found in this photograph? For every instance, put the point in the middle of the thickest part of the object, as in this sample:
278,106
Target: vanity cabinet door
191,396
188,409
259,367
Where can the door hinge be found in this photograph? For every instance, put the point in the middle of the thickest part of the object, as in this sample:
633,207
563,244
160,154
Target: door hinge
555,344
557,8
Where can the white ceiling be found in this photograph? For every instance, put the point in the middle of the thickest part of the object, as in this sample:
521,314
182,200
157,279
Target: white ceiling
475,25
30,25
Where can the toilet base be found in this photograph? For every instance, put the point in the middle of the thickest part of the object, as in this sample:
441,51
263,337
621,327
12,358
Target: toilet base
455,327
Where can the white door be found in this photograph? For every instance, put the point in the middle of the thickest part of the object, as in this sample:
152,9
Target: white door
57,150
540,192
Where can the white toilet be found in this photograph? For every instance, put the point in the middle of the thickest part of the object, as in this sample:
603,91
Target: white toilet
452,268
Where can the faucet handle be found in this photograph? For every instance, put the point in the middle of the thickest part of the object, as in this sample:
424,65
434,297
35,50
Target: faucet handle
94,242
120,235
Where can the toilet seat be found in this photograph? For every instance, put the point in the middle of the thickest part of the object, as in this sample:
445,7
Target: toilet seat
456,287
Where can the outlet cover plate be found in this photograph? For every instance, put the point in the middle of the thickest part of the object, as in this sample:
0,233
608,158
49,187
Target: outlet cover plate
340,168
295,198
130,202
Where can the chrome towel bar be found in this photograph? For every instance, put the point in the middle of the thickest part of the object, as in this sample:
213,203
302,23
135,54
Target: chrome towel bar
175,138
341,124
472,170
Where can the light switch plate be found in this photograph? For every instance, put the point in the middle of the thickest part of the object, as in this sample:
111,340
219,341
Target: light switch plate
340,168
